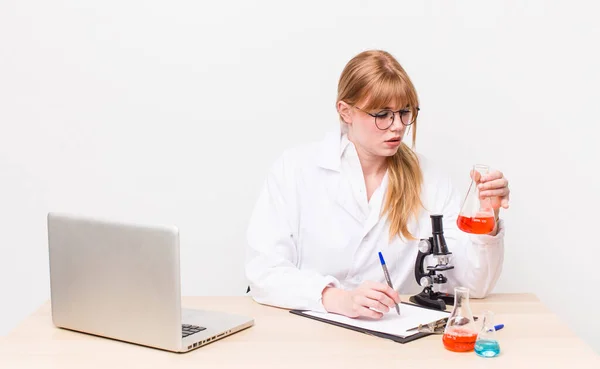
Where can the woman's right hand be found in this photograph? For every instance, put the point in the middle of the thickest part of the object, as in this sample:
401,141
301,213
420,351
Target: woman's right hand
370,299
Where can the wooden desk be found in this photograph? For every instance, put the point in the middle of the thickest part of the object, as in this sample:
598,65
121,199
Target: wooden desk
533,337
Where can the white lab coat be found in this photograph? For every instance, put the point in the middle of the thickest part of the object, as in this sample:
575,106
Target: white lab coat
313,227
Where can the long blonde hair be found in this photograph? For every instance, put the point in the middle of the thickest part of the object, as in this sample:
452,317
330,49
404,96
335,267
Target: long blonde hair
376,79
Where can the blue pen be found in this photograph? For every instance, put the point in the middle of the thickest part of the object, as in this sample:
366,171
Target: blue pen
498,327
387,277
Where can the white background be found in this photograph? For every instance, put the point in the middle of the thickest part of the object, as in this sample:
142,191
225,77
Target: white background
172,111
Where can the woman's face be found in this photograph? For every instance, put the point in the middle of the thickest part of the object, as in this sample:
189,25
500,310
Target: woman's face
381,139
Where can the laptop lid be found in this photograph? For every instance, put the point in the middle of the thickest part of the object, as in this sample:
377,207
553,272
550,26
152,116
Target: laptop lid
116,280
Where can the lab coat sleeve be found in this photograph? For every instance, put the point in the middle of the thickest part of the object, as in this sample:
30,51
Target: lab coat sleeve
272,253
477,259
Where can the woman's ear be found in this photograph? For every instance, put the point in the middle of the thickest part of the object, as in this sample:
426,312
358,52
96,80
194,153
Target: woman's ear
344,111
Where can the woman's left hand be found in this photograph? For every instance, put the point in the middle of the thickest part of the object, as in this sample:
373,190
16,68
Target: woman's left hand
494,186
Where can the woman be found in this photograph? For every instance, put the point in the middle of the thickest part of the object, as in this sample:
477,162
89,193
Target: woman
328,208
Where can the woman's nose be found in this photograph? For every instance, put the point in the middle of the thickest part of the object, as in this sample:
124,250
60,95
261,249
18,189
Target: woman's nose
397,123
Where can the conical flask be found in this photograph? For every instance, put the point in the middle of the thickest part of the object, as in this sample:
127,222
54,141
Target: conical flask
476,215
460,333
487,344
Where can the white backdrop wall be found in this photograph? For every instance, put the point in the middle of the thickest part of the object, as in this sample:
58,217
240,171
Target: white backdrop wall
171,112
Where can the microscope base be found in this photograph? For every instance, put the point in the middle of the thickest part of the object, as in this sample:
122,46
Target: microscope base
433,300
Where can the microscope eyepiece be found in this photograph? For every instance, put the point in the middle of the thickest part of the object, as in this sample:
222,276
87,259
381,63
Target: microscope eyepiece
436,223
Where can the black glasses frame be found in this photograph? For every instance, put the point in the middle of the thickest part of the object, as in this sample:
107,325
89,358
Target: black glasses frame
393,116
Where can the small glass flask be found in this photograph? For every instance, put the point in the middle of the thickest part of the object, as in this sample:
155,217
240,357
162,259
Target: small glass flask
476,215
460,333
487,344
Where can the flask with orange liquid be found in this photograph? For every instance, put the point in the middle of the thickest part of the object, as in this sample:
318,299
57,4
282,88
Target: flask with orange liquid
476,215
460,333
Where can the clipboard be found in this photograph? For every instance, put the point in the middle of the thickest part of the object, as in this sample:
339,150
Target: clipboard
393,337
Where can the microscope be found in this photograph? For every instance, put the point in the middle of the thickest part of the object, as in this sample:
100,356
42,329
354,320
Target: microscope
436,246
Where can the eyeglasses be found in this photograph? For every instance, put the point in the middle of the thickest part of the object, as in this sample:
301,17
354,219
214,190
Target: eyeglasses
385,118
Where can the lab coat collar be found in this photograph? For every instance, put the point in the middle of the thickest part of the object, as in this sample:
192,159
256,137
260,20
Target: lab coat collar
330,150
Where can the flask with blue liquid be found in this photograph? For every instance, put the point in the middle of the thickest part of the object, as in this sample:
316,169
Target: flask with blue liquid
487,344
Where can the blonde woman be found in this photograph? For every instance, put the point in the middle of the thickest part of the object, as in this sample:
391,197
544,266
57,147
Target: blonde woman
328,208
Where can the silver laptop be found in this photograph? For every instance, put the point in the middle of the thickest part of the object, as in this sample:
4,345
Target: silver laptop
122,281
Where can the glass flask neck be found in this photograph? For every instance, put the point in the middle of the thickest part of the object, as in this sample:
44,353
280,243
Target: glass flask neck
488,319
461,297
481,168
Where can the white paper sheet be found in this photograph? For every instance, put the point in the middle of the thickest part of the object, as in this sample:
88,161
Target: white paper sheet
392,323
